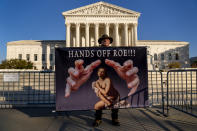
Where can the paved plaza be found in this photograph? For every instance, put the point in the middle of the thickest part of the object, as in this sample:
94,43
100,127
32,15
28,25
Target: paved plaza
43,119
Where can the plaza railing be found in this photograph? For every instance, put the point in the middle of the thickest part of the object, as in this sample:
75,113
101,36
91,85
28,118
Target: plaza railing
175,88
37,88
182,91
157,90
27,88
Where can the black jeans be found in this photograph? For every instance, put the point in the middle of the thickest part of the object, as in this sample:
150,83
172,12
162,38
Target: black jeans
114,114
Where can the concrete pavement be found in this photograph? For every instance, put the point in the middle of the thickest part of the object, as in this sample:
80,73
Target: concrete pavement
43,119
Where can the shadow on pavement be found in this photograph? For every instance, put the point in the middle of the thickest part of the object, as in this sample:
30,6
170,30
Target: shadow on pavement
46,111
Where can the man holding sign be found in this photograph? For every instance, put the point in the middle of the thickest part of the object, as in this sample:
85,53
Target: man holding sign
79,75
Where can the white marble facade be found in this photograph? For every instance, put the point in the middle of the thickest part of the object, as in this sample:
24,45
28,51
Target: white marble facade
40,52
86,24
162,52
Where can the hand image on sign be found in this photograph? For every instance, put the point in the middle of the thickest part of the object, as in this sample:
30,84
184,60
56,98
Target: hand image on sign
127,72
79,75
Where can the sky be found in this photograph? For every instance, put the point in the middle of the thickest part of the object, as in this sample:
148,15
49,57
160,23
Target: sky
43,20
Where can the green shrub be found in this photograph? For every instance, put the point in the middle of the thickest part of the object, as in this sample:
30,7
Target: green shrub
174,65
16,64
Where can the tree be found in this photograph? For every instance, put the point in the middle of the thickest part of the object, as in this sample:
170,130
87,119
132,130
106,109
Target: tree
194,64
174,65
16,64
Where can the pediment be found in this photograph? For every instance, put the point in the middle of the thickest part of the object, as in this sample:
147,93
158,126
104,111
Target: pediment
101,8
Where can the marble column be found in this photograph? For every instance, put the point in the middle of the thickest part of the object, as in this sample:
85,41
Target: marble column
129,36
87,31
107,28
132,35
77,34
135,34
68,35
71,37
117,34
125,34
96,33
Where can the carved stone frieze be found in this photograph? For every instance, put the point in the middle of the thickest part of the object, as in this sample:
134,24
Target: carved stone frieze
99,10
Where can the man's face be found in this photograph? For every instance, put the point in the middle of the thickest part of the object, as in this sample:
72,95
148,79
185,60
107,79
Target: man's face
101,73
105,42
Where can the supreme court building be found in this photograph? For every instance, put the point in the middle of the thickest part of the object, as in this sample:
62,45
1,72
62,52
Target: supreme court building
86,24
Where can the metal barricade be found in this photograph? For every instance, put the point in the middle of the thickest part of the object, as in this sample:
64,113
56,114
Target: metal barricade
156,90
177,89
27,88
36,89
182,90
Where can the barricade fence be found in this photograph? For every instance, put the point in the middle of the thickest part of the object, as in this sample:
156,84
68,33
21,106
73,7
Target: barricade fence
23,89
155,87
156,90
36,88
175,88
182,90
